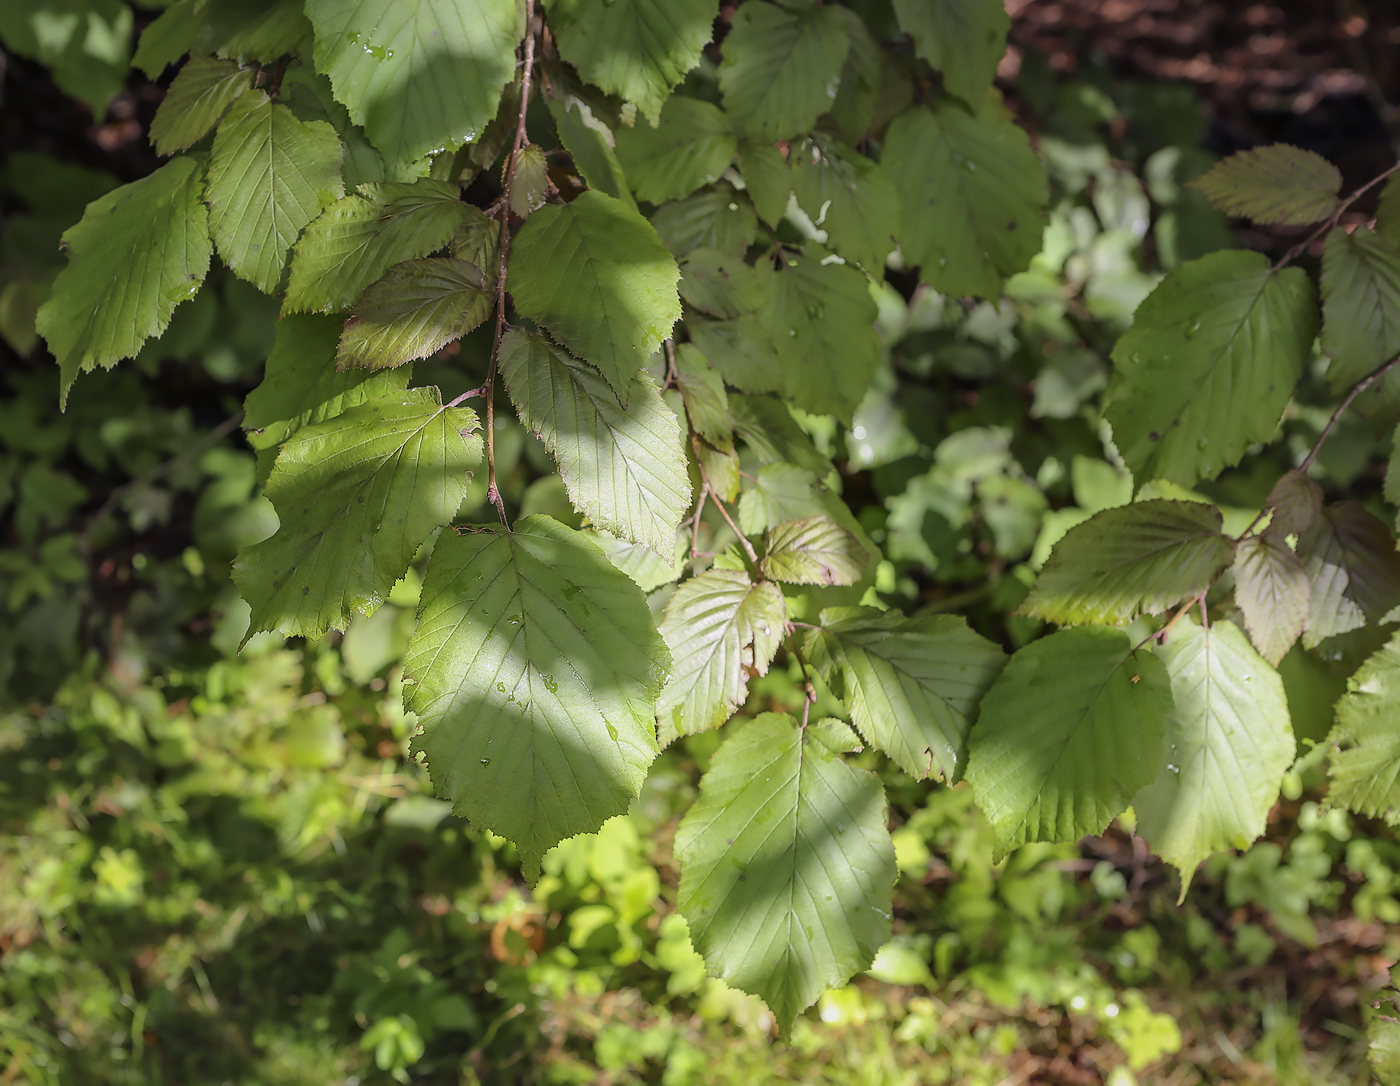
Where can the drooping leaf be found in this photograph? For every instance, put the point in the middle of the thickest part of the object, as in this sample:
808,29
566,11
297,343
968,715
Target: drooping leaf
637,49
721,284
1296,502
1229,743
1360,304
1070,731
534,672
963,39
269,176
850,198
1272,590
814,550
769,180
418,308
1131,560
592,145
624,468
1208,365
418,75
741,349
138,252
691,146
1274,184
781,68
1364,763
197,98
718,218
357,496
597,276
357,239
720,628
786,867
911,685
166,38
1353,568
972,194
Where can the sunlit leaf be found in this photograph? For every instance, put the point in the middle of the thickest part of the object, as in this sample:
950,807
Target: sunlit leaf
1353,568
1365,760
1272,590
418,308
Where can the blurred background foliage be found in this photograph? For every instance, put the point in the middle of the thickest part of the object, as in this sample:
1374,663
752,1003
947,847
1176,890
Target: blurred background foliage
223,868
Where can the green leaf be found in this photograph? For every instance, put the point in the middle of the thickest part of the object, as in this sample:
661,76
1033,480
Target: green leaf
624,468
419,76
534,670
780,492
973,195
1070,731
1229,743
850,198
1272,590
85,44
1354,570
765,171
1208,365
637,49
418,308
768,428
357,239
166,39
642,563
268,177
706,402
911,685
1360,304
531,185
858,98
721,284
1128,561
198,97
720,628
1296,502
786,867
741,349
1383,1046
720,218
813,550
597,276
1364,762
781,68
691,146
138,252
251,30
1274,184
963,39
822,320
357,496
592,145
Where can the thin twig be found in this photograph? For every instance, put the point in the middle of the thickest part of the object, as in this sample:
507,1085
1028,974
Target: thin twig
1357,389
673,375
811,690
480,390
708,488
695,529
1161,635
1331,223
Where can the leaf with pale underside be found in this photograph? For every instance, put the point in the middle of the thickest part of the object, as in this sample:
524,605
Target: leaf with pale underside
197,98
1296,502
1071,730
691,146
533,671
597,276
1353,568
357,496
1229,744
1274,184
720,628
813,550
418,308
1131,560
269,175
911,685
963,39
357,239
624,468
1272,590
1360,304
138,252
1365,761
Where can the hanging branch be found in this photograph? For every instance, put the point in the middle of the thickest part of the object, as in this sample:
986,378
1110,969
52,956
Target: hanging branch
1333,219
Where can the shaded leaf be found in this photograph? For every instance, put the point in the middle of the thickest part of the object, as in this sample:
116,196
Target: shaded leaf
721,284
1364,763
691,146
963,39
765,171
741,349
1274,184
1296,501
813,550
849,197
706,402
1354,570
591,144
1272,590
718,218
197,98
531,185
1360,304
418,308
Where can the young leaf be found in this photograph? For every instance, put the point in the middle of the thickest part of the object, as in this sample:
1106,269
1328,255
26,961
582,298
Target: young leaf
720,628
419,76
786,867
592,145
534,669
269,176
198,97
765,171
973,195
741,349
822,320
691,146
814,550
1360,304
1208,365
624,468
721,284
1365,761
357,239
595,273
963,39
357,496
1354,570
1229,743
532,185
1272,590
138,252
719,218
1067,735
418,308
1297,503
781,68
911,685
1274,184
1131,560
637,49
850,198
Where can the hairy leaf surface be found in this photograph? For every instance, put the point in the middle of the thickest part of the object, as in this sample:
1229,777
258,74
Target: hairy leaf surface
418,308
